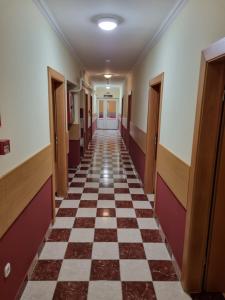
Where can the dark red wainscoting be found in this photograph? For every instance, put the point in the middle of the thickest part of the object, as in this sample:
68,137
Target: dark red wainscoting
74,154
21,242
138,157
172,216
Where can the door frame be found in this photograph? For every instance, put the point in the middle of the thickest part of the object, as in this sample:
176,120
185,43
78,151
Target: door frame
149,185
62,180
202,168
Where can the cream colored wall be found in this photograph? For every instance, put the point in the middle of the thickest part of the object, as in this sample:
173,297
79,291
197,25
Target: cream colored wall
178,54
101,91
27,46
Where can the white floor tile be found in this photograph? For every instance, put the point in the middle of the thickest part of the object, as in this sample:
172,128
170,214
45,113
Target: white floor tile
151,197
75,270
135,270
106,204
147,223
129,235
63,222
156,251
105,251
89,196
75,190
91,185
82,235
105,222
79,179
53,250
142,204
123,197
86,212
70,204
138,191
106,191
169,291
125,213
102,290
121,185
39,290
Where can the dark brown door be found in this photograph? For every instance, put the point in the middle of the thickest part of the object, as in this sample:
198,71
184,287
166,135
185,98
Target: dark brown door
86,123
121,125
91,112
215,267
128,120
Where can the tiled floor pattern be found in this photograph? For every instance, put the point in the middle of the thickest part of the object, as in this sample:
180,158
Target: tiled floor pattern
105,243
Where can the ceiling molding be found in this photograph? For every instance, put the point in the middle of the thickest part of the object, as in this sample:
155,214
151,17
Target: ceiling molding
162,29
41,5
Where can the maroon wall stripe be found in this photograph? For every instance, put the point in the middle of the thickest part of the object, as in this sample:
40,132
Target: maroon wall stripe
172,217
21,242
138,157
74,153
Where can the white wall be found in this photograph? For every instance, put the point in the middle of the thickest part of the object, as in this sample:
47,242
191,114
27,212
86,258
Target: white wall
27,46
178,54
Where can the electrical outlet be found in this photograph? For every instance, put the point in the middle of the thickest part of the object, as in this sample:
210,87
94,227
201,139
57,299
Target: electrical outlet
7,270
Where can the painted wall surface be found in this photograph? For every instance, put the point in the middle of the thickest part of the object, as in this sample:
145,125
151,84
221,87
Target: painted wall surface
28,46
178,55
101,91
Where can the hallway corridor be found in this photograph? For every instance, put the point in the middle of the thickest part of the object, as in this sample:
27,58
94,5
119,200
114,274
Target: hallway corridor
105,243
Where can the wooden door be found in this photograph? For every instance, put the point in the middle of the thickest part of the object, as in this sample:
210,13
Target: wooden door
55,131
86,122
122,109
128,120
215,266
58,133
152,133
91,115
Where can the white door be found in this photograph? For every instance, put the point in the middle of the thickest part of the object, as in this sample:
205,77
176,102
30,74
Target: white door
107,114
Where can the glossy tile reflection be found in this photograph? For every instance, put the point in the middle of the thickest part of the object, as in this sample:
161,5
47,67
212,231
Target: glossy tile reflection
105,243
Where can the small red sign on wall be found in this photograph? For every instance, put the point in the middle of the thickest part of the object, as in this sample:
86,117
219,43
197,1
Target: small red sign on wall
4,147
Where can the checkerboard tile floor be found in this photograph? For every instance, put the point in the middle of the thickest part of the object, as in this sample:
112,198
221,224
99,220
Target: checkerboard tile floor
105,243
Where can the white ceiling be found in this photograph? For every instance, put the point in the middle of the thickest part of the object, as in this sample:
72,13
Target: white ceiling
142,20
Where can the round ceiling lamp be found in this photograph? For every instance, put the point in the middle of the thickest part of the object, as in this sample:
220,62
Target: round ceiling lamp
108,87
107,76
107,24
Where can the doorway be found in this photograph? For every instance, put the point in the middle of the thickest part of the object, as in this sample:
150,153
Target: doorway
86,121
91,116
121,121
153,129
127,140
107,114
58,132
205,225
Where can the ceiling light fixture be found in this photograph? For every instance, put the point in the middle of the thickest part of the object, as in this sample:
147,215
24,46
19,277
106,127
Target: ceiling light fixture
107,76
107,24
108,87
